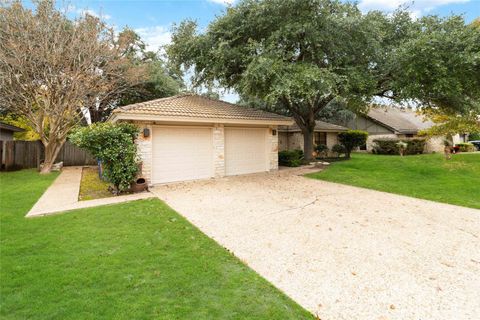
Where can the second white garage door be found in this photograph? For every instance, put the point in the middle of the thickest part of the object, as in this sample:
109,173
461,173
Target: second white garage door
245,150
181,153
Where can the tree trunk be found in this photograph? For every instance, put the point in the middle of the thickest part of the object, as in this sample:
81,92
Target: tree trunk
308,143
51,151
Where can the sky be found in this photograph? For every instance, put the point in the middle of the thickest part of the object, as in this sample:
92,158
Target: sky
153,19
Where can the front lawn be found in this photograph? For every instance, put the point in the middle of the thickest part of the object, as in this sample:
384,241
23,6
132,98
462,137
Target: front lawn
137,260
428,176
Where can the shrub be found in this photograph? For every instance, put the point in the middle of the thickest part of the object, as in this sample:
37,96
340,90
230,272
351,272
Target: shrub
290,158
465,147
352,139
390,146
339,149
321,149
114,145
402,146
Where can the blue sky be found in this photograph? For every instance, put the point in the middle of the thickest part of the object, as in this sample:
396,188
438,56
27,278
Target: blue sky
153,19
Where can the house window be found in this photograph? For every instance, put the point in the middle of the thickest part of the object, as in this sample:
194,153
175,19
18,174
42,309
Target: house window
409,135
320,138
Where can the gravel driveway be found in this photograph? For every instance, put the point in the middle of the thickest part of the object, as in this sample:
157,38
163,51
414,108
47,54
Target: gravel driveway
343,252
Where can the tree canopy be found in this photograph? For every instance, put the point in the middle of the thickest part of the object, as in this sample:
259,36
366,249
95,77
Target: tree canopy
300,56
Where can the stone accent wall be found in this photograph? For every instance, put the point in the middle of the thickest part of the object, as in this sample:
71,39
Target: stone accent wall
219,151
272,143
434,144
144,148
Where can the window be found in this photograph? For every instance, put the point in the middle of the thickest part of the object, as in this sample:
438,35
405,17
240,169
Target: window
320,138
409,135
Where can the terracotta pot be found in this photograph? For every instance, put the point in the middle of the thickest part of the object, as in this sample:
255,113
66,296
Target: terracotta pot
139,185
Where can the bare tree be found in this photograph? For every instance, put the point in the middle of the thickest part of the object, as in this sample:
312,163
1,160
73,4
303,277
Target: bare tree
52,67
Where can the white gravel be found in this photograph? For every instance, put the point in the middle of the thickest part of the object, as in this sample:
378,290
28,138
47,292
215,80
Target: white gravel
343,252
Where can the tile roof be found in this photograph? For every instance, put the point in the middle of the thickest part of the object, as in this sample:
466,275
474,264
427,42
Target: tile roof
195,106
319,126
402,120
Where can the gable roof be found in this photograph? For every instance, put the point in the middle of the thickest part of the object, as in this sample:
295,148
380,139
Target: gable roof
321,126
9,127
399,120
189,107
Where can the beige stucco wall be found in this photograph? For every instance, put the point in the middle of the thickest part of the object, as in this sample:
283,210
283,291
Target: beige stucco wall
144,148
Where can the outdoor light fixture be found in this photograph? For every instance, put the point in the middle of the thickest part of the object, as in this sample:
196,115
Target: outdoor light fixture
274,132
146,132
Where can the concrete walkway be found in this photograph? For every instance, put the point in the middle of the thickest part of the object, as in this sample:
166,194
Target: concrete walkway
343,252
62,195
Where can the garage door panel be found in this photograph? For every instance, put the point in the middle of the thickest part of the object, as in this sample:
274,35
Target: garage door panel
245,150
181,154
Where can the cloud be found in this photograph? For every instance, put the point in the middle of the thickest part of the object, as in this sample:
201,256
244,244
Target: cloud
417,8
223,2
70,8
155,37
93,13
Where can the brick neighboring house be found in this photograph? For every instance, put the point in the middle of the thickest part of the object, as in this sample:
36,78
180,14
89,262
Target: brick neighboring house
391,122
291,137
189,137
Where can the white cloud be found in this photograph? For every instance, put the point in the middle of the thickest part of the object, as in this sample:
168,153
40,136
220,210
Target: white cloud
417,8
70,8
93,13
155,37
223,2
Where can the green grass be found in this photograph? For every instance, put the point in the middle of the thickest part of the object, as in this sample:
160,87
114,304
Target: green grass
137,260
91,187
429,176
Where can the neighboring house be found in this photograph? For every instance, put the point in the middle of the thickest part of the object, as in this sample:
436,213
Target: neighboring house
291,137
188,137
390,122
6,134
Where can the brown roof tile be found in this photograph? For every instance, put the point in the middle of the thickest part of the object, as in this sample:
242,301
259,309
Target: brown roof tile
195,106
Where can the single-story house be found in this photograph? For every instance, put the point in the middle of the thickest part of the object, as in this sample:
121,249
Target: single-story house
291,137
189,137
392,122
6,134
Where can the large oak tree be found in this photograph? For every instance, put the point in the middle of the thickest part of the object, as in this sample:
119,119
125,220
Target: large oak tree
301,56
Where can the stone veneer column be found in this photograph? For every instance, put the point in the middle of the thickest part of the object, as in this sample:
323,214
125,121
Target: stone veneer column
273,143
144,148
219,151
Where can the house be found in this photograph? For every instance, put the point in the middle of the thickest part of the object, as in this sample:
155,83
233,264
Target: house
391,122
291,137
6,134
188,137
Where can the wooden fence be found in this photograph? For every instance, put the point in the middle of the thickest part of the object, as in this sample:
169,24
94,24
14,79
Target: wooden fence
29,154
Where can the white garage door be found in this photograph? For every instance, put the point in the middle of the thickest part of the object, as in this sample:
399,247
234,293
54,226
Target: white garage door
181,153
245,150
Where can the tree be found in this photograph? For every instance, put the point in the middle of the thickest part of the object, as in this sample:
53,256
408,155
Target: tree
440,66
52,67
298,56
114,145
158,81
352,139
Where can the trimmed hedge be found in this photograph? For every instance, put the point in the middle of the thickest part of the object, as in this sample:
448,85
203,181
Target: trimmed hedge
290,158
390,146
465,147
